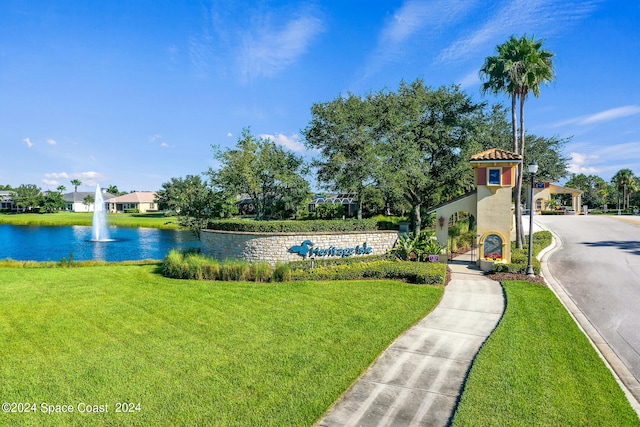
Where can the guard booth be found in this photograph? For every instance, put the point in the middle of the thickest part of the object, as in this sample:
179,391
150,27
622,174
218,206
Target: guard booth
490,203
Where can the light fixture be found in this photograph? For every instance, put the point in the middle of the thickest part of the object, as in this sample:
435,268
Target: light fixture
533,169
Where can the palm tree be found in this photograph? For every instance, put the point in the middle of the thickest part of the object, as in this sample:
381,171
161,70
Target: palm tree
61,189
625,181
520,67
76,183
113,189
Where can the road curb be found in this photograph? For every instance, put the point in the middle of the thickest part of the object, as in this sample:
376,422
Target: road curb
629,384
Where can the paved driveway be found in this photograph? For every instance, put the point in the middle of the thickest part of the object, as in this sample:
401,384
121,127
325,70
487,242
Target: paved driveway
598,265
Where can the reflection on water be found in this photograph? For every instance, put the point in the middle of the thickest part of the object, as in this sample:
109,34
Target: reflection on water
99,250
40,243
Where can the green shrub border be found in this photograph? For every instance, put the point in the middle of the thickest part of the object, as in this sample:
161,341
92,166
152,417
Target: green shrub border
520,257
192,265
307,226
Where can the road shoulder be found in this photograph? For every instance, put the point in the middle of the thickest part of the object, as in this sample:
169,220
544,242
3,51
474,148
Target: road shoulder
629,384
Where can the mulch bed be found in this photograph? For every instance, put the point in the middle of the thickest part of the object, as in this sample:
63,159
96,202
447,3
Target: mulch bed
500,277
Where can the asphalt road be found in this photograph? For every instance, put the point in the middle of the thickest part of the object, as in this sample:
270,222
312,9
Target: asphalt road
598,265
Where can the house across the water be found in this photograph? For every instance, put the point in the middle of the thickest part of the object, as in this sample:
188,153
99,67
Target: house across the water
142,201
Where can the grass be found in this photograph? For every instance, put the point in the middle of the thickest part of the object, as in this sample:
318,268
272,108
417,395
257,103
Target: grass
151,220
538,368
191,352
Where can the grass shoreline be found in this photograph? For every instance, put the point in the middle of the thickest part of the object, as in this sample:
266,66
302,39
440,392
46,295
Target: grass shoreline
149,220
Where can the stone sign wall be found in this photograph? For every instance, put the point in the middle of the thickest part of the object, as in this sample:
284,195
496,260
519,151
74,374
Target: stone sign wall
274,247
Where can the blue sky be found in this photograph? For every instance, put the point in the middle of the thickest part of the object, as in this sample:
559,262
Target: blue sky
132,93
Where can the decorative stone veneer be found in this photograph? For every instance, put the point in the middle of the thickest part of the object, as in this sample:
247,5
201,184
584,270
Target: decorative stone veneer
274,247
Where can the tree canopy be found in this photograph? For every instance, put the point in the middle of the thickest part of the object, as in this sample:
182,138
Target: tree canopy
343,131
411,145
426,137
193,201
271,176
27,196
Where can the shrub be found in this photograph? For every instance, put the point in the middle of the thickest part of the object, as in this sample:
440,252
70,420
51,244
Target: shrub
260,271
418,248
282,273
189,265
256,226
419,273
235,270
520,257
329,211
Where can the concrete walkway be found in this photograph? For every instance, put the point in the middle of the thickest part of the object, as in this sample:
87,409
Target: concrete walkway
417,380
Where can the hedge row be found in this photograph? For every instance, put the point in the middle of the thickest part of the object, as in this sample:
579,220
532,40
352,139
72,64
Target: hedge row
520,257
191,265
412,272
307,226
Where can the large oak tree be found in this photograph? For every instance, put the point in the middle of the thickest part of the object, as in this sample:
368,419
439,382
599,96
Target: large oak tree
270,175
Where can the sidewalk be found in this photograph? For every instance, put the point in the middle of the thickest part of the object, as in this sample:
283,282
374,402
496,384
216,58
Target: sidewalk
417,380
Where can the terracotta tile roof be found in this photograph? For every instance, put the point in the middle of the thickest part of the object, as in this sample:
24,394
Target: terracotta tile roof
496,154
137,197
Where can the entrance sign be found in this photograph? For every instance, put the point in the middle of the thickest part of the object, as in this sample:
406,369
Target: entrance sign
305,250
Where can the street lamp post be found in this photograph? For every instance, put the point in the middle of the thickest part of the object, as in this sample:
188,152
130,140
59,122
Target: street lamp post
533,168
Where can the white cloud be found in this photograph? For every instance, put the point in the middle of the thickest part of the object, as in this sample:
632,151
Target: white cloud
580,163
28,142
250,40
291,142
57,175
469,80
267,50
606,115
51,141
154,138
164,144
88,175
510,17
229,134
89,178
408,20
50,182
612,114
412,29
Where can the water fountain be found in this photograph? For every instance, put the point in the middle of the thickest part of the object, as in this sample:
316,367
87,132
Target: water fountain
99,229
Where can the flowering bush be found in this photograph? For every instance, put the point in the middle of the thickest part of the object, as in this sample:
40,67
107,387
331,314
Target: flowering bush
493,257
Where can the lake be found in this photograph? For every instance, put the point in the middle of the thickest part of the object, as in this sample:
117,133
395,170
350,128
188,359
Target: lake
44,243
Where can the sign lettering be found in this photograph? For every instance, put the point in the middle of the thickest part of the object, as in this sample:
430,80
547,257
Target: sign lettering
305,250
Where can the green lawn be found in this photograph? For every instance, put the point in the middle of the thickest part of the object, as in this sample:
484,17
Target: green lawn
538,369
152,220
190,352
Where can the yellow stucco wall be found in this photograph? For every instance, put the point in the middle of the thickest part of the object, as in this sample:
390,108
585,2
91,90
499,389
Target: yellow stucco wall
494,217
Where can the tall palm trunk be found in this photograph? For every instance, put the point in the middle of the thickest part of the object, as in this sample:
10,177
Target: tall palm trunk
518,189
519,227
514,119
